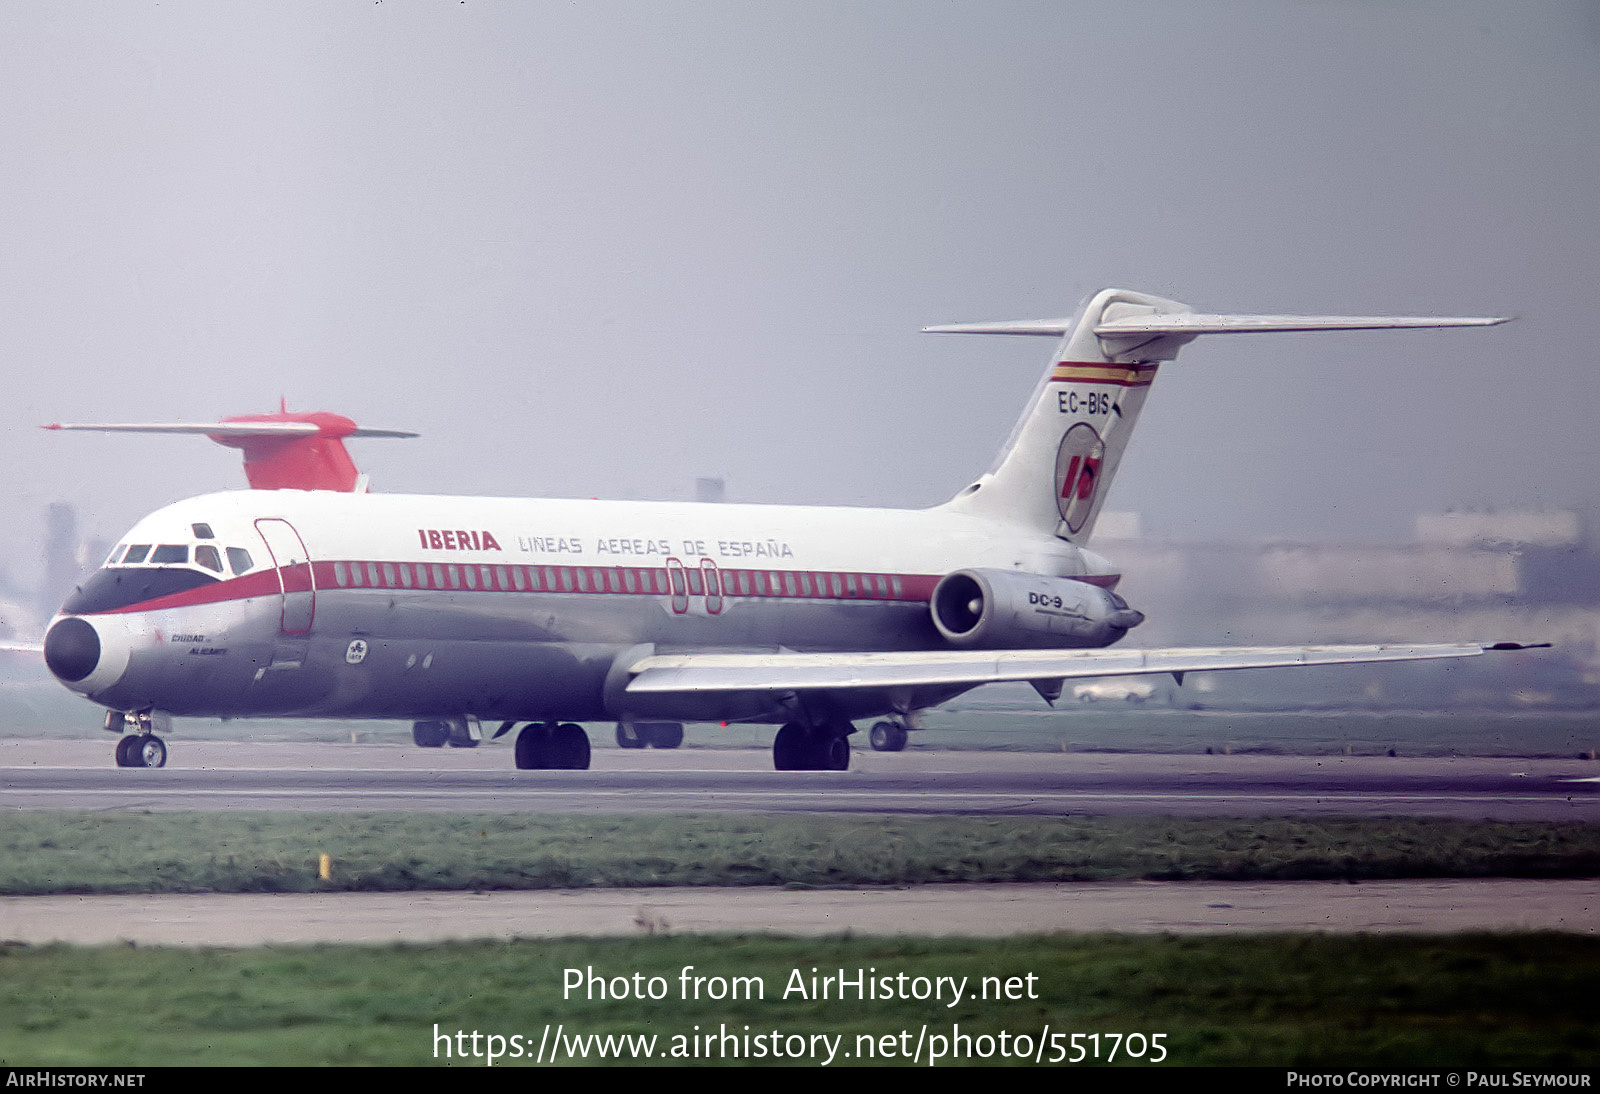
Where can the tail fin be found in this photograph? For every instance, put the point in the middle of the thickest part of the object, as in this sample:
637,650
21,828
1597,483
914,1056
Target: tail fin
282,451
1055,470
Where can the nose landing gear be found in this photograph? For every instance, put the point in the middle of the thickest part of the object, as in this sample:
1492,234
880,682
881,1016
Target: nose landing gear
141,747
142,750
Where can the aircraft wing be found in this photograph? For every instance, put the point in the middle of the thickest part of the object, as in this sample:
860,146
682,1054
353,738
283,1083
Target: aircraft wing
933,668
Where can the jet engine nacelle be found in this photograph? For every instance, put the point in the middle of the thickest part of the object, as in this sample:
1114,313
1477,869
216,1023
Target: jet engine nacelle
1002,609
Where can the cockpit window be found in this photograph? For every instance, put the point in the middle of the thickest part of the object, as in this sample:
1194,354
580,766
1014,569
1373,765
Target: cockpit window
201,531
205,556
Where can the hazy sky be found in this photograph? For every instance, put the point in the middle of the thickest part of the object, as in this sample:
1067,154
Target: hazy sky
602,249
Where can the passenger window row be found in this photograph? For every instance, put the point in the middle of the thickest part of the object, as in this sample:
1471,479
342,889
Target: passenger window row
676,580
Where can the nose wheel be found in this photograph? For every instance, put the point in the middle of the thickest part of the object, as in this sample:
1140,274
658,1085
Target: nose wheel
141,750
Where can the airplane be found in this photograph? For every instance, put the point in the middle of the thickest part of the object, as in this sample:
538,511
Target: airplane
310,596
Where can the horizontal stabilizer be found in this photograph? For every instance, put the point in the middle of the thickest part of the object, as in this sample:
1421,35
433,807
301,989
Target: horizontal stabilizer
1118,322
1195,323
935,668
1053,328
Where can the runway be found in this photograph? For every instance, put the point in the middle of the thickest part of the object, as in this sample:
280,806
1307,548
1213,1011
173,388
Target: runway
215,776
218,776
1140,907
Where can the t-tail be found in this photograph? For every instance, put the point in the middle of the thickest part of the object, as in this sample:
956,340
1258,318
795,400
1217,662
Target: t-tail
1055,470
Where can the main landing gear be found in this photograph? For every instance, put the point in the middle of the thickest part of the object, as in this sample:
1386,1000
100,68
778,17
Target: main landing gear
824,747
543,746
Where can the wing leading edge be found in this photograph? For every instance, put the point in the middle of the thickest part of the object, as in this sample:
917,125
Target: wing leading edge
809,671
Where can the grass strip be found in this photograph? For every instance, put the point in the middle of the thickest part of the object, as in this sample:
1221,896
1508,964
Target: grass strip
278,852
1528,1001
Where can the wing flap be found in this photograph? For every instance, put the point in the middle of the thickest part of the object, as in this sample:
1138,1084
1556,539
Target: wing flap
809,671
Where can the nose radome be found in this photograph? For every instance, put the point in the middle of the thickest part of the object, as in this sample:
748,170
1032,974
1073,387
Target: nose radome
72,649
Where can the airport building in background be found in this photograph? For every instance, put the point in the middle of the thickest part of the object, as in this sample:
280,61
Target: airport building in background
1466,576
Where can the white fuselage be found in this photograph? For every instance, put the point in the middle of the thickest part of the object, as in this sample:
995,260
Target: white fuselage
396,606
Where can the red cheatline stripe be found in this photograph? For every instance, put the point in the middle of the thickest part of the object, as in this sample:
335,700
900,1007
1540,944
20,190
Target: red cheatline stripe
576,580
260,583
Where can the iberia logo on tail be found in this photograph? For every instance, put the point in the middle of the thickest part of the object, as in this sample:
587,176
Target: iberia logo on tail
1078,463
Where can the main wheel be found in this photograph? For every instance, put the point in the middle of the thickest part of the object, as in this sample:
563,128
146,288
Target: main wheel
833,753
532,747
666,734
430,734
629,736
569,747
887,737
127,746
790,748
811,748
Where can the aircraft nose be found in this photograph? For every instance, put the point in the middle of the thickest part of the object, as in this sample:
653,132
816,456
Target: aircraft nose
86,655
72,649
1126,618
